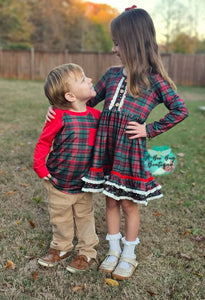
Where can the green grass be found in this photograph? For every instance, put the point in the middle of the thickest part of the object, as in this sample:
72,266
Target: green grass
163,269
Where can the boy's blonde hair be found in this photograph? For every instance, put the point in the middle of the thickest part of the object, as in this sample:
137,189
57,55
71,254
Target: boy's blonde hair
57,83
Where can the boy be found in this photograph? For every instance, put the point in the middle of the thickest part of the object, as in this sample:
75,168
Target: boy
71,136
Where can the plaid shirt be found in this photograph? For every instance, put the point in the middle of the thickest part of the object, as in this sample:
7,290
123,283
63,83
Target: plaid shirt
72,135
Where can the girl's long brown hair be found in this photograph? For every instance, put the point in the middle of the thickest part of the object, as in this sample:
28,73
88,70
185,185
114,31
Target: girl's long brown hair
135,34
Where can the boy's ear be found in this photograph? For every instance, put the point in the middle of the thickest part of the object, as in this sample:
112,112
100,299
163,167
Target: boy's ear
70,97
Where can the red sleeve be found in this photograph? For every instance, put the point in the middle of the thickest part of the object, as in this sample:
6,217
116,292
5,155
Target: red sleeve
45,142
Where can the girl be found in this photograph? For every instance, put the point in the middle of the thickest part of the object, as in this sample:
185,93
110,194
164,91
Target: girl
119,166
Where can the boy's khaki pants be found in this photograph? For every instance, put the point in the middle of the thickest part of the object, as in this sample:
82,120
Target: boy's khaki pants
69,211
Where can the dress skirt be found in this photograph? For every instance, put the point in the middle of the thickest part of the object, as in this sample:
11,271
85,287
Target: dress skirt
119,168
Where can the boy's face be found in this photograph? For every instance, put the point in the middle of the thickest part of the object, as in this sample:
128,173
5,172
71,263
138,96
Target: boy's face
82,87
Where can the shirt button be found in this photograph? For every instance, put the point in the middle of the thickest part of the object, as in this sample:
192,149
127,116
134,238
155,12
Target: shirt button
117,104
121,91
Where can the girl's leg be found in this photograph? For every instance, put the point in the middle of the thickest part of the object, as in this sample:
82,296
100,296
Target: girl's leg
113,215
132,219
113,227
132,223
114,236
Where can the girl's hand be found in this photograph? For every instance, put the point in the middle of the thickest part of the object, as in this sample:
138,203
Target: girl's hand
50,114
47,177
137,130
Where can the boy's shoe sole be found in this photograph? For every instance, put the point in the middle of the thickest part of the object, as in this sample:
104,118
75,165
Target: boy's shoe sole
47,264
52,258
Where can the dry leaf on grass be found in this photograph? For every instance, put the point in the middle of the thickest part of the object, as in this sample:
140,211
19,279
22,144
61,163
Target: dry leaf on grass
186,232
78,288
35,275
157,214
23,168
111,282
198,274
9,265
32,224
152,293
185,256
10,192
24,184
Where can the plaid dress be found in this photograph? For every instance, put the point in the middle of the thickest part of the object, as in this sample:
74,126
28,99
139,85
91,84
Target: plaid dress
72,137
119,167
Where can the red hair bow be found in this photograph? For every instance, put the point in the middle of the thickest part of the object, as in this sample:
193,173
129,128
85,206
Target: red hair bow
132,7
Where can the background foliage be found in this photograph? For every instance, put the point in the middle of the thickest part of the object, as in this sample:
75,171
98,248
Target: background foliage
76,25
55,25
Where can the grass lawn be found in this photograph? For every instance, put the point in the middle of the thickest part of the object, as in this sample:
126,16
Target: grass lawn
172,237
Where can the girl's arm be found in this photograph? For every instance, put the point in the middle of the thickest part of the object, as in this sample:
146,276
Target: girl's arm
50,114
177,113
176,106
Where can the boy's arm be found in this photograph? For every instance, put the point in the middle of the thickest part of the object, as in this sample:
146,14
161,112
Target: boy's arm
44,144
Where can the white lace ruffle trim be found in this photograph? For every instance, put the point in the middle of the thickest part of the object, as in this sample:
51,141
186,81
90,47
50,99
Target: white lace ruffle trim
118,198
111,195
112,103
90,190
92,181
136,242
111,237
132,190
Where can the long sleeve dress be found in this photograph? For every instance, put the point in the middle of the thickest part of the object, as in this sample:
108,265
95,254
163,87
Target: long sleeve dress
119,167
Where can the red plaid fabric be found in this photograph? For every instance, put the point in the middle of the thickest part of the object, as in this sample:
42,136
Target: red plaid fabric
119,167
72,135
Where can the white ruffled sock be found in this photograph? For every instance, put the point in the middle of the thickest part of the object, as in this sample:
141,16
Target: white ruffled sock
128,252
114,245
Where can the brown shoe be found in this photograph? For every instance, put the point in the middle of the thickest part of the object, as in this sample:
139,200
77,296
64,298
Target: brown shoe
52,257
79,263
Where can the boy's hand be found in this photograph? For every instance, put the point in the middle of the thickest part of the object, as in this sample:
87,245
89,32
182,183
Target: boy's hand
50,114
47,177
137,130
